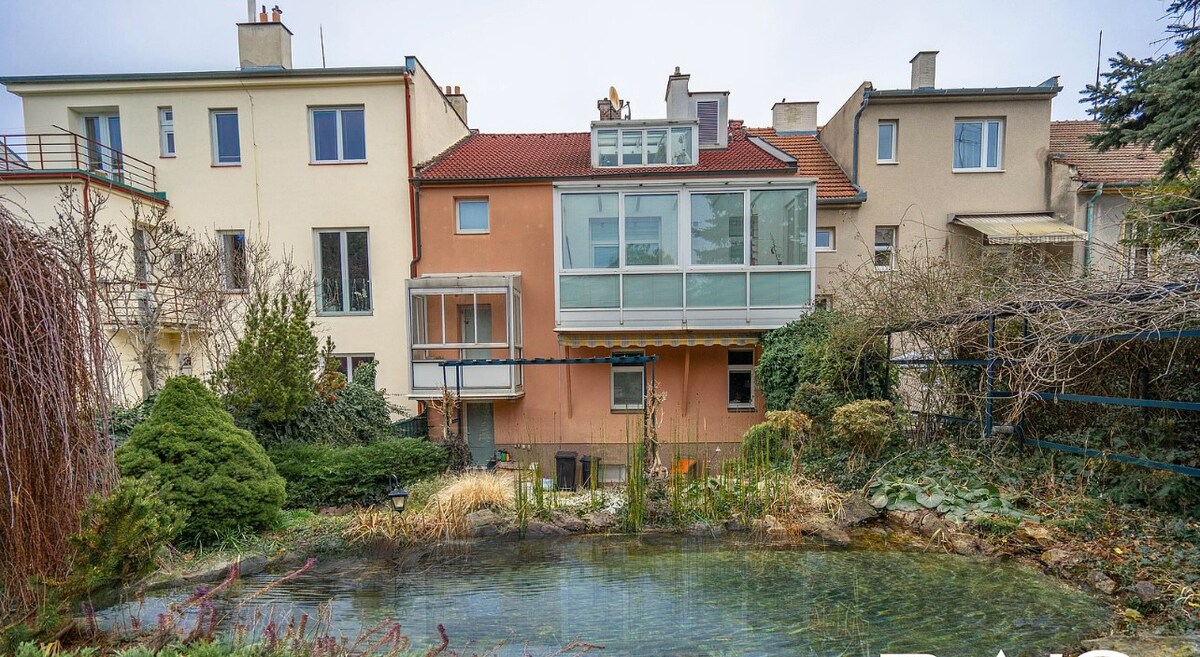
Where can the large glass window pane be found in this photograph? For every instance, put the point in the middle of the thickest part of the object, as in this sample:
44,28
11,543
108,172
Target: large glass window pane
716,290
588,291
779,227
589,231
325,135
473,216
229,149
887,142
993,144
681,146
359,271
627,391
354,135
656,147
718,229
330,249
631,147
651,226
653,291
968,144
606,146
782,288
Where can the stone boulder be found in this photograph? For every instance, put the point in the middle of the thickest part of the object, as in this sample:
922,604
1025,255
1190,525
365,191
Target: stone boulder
539,529
572,524
1101,582
1145,591
1054,557
1034,533
486,522
856,510
769,524
600,521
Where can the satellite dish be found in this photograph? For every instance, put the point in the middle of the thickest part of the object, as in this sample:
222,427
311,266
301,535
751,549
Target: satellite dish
614,97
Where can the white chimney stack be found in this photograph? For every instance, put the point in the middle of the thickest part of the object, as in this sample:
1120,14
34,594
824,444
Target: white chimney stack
924,69
794,116
265,43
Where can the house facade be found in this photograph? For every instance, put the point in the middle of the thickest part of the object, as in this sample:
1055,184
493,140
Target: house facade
314,163
680,239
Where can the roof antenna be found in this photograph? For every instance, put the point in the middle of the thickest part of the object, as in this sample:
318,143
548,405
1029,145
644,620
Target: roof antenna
321,29
250,11
1099,45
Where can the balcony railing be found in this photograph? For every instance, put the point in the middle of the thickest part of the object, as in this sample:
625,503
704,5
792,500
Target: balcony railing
130,303
67,151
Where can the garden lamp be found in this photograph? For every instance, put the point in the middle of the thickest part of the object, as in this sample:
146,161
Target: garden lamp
398,495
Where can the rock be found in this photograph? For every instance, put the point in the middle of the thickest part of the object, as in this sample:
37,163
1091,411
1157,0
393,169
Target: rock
1034,533
966,545
599,521
539,529
1101,582
702,528
855,510
769,524
252,565
288,560
210,572
734,525
1146,591
1159,646
485,522
568,522
834,535
934,527
1054,557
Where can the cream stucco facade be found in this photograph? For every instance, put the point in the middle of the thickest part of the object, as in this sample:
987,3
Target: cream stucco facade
277,194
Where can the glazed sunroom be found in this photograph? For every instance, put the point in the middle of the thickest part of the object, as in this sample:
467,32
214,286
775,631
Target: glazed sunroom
724,254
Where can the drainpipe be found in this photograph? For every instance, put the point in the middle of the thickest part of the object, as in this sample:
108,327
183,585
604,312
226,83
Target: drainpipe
857,116
412,190
1088,226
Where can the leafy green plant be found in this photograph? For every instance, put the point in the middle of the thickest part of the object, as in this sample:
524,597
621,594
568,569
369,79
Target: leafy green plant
345,413
202,463
327,475
865,426
271,374
958,503
120,537
122,420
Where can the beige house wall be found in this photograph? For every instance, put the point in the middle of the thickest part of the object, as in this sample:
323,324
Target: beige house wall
276,194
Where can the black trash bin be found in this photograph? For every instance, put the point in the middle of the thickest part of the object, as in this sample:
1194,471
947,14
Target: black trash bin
590,465
565,470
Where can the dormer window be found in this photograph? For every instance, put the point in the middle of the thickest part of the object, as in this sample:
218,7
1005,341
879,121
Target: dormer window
644,146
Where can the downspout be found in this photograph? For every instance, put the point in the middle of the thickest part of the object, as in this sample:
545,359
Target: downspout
1088,226
412,190
857,116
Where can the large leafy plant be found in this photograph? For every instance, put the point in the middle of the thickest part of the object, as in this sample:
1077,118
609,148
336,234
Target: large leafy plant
957,503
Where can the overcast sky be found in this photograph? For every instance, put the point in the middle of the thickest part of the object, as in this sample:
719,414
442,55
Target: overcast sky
539,66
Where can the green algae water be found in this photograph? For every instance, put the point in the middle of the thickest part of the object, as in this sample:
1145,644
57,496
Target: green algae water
684,597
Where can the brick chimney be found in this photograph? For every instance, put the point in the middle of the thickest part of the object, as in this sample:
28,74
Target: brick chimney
794,117
924,67
458,101
266,42
607,111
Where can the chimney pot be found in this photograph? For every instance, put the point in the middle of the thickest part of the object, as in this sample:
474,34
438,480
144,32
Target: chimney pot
447,90
265,44
924,69
794,117
607,111
457,90
262,14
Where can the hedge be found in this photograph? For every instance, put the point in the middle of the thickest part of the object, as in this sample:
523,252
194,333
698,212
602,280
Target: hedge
325,475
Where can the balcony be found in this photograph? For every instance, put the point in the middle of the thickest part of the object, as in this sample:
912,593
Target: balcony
465,316
130,303
65,152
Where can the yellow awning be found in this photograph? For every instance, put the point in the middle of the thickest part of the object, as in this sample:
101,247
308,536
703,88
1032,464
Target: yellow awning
1026,228
656,340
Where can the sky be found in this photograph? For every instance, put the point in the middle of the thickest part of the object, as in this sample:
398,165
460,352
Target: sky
540,66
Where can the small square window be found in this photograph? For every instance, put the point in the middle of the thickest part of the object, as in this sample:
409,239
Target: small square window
472,215
885,247
824,240
741,379
885,152
347,363
338,134
628,383
227,147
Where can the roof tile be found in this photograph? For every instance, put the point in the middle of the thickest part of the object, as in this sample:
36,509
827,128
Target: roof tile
812,160
1128,164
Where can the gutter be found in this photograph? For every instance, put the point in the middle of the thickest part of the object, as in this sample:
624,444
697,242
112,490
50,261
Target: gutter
858,115
1088,226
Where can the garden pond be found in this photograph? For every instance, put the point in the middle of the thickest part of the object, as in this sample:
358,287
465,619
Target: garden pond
672,595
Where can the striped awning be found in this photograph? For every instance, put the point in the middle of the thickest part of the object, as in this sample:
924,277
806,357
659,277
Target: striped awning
1021,228
657,339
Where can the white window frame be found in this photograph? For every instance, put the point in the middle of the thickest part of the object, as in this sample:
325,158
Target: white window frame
612,382
341,147
458,227
832,239
984,144
166,131
226,272
751,405
695,150
216,150
892,249
348,359
895,125
343,233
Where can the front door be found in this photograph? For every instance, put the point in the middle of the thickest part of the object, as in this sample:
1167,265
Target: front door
104,148
481,432
475,322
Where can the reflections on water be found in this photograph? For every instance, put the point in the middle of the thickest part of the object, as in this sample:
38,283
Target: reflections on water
686,596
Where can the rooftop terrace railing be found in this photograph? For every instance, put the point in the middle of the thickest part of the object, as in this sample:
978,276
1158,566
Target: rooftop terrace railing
69,152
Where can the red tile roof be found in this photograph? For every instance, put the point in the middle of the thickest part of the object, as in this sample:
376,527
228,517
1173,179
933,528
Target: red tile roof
558,155
1128,164
812,160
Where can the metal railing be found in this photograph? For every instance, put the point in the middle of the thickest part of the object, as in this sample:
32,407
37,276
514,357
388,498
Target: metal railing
67,151
130,303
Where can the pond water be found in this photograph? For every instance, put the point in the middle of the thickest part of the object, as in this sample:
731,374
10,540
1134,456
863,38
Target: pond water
683,596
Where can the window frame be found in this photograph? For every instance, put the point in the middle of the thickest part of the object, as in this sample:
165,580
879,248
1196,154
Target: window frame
226,270
645,146
876,249
832,239
347,360
458,228
732,368
614,369
895,126
216,140
344,273
984,144
166,131
339,134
